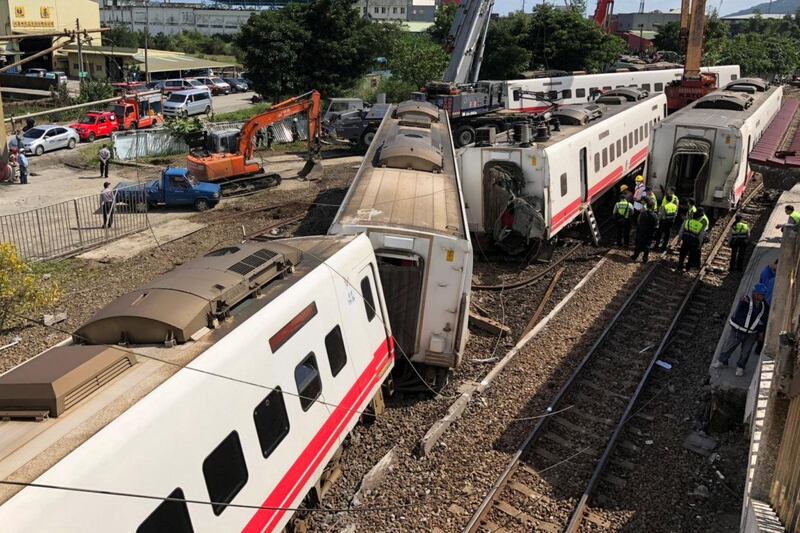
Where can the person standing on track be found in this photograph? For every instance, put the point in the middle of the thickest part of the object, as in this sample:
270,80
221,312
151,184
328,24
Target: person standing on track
691,235
105,156
638,194
645,230
666,219
623,211
748,323
740,234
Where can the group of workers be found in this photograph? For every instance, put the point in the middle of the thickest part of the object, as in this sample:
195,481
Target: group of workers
655,221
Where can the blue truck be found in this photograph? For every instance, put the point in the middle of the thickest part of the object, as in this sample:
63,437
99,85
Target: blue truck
176,187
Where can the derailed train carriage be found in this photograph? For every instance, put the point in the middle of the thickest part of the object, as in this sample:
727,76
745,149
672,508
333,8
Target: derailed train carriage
232,379
406,197
701,151
524,186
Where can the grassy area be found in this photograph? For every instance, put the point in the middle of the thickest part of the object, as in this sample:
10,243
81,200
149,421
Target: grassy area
90,154
241,114
220,58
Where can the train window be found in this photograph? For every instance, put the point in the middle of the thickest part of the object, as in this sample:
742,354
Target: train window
659,87
646,132
566,93
630,139
646,87
293,326
369,301
169,516
593,90
625,143
552,95
564,184
611,154
225,472
309,385
597,162
608,88
580,93
619,147
734,77
337,355
641,132
605,157
272,422
636,135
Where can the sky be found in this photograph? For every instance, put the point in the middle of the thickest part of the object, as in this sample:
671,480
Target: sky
632,6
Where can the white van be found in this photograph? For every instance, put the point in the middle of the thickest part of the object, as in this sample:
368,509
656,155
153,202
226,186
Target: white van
187,103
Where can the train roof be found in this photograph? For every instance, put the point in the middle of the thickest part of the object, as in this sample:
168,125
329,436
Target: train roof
408,177
728,107
55,401
572,118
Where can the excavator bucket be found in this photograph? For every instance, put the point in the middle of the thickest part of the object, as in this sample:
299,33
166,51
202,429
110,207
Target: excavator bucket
312,170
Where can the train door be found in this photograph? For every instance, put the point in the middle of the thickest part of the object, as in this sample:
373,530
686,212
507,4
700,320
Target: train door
402,276
690,166
584,176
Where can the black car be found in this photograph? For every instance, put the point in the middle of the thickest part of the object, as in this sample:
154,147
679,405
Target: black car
238,85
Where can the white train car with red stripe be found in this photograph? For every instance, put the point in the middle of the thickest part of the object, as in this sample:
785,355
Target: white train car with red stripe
212,399
580,88
701,151
529,183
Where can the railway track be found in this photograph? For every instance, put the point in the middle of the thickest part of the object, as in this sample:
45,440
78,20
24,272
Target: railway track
548,483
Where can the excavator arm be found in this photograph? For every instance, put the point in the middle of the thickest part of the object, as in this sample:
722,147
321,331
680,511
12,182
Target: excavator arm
602,12
308,103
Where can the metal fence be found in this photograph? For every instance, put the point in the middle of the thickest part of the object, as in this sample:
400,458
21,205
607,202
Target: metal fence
68,227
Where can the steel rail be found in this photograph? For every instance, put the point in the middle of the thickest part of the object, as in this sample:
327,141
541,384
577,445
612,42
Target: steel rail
577,515
533,435
533,279
531,438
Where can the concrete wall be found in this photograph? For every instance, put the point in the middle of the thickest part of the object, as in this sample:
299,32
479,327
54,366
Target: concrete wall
24,82
171,20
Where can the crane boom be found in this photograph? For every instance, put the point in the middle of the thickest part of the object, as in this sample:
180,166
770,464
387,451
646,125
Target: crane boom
602,12
467,38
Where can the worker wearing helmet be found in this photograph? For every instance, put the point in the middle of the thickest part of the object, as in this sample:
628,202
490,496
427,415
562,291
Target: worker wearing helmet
638,194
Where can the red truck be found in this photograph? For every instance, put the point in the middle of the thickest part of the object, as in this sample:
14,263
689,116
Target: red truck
95,124
134,112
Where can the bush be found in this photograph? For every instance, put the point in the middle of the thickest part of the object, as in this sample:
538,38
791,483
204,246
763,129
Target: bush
22,293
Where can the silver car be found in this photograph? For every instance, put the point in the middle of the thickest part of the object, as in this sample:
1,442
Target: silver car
48,137
187,103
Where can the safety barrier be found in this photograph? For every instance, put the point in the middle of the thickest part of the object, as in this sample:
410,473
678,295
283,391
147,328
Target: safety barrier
69,227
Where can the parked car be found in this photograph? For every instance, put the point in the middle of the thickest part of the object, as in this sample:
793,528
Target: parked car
59,76
36,72
127,87
171,86
48,137
238,85
175,187
96,124
156,85
217,85
187,103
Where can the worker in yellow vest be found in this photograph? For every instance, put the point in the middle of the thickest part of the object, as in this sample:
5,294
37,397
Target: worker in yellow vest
666,219
691,235
623,213
740,234
794,219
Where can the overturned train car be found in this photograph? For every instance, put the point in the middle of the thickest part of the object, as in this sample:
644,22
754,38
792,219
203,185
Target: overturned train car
406,197
525,185
701,151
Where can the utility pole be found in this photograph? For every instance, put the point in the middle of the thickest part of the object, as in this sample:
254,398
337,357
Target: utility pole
80,49
146,39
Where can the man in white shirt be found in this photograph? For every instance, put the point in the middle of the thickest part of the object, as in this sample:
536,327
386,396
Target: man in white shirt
105,156
107,205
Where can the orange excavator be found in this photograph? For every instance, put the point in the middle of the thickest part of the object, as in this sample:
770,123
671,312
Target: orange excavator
228,158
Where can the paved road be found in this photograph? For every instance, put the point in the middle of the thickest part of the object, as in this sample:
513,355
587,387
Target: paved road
232,102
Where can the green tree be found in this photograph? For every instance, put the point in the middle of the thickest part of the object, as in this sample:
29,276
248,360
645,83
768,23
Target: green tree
416,60
120,35
565,40
271,42
93,90
757,54
668,37
442,23
505,54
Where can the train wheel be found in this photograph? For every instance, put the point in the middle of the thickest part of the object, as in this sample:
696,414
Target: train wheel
464,135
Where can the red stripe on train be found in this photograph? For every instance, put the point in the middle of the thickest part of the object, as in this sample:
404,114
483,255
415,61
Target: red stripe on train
309,460
563,216
740,189
639,156
606,182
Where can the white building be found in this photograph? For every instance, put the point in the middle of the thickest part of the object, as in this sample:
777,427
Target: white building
171,19
399,10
